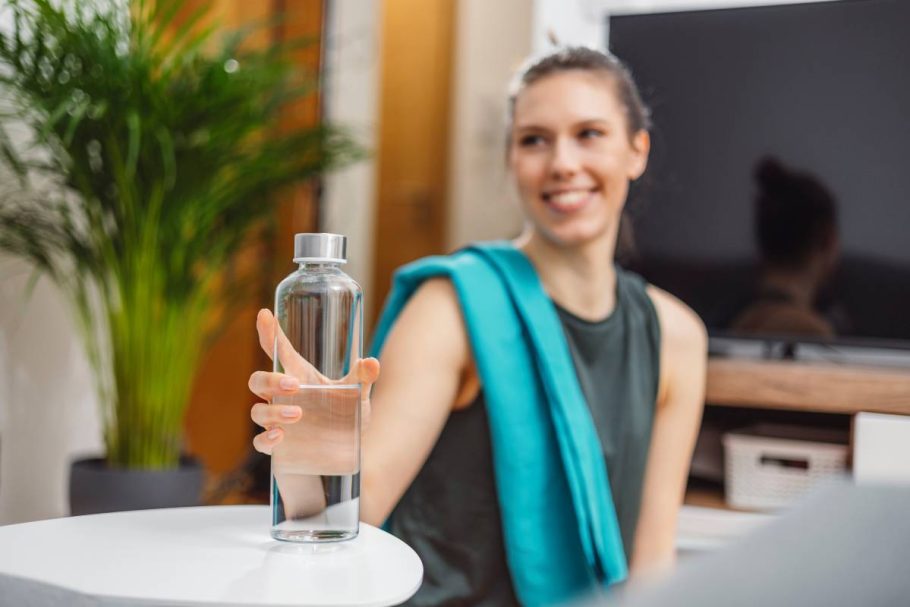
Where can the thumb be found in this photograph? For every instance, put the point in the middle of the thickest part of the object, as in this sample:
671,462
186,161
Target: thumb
367,372
265,328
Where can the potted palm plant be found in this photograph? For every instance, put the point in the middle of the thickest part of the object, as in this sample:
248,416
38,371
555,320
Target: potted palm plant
151,154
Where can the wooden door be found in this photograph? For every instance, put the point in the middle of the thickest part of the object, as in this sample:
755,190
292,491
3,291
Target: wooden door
417,51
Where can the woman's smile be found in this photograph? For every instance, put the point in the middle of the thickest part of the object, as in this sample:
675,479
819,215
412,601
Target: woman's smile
568,200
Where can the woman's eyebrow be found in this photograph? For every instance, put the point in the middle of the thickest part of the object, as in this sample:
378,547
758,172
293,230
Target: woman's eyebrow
530,127
593,121
583,122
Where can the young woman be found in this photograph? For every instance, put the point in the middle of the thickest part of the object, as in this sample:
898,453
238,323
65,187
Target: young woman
577,138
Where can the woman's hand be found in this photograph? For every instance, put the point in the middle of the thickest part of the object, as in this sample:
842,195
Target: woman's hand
267,385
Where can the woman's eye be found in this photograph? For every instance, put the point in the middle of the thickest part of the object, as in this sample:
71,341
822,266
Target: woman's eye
530,141
590,134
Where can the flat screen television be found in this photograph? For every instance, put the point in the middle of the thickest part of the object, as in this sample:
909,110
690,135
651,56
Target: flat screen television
813,97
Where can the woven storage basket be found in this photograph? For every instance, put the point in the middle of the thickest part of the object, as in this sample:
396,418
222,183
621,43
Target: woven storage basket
768,466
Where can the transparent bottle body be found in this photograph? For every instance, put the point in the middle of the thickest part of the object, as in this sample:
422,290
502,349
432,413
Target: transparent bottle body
315,493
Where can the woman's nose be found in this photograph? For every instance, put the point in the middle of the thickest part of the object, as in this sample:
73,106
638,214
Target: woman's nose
564,161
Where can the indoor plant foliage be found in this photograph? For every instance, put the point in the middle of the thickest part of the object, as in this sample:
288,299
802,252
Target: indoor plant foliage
152,155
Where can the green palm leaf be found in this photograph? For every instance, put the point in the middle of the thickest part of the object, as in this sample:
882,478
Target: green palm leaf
164,159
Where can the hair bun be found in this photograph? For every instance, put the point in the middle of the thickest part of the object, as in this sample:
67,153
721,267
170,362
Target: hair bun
770,173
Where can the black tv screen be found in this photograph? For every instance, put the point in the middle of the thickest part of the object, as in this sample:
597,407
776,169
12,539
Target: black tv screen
815,99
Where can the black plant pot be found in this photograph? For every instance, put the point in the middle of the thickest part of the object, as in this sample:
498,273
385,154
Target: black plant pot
95,487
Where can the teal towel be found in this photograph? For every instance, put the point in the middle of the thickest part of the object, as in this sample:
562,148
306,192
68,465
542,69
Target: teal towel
559,524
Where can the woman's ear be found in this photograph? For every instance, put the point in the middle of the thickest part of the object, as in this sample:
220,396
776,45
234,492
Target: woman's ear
641,147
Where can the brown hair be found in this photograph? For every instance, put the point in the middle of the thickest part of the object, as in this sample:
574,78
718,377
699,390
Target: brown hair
638,116
795,214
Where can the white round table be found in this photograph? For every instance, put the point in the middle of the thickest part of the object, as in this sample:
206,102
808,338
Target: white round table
213,555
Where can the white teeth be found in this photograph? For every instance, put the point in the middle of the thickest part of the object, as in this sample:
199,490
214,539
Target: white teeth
568,200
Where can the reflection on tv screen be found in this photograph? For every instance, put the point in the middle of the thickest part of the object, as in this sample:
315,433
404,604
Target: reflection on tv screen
775,203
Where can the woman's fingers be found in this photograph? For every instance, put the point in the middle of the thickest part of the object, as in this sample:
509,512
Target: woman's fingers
367,371
292,361
367,374
267,385
265,327
269,416
272,338
264,442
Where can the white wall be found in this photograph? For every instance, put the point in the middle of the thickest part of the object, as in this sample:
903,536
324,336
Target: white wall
351,99
48,411
571,22
491,41
654,6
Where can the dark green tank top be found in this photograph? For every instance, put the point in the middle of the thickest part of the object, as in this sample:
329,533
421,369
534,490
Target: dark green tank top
450,513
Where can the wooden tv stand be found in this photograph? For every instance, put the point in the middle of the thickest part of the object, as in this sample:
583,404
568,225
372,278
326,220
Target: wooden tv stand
800,386
807,386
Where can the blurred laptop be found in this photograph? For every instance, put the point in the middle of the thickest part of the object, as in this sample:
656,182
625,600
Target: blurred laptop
846,544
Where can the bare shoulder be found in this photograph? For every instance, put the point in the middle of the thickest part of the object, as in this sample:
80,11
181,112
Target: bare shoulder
680,326
436,301
431,324
683,351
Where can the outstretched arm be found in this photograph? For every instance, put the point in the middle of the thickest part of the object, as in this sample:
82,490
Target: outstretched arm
680,401
424,363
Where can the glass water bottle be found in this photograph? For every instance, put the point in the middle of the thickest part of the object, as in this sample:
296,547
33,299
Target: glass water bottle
316,467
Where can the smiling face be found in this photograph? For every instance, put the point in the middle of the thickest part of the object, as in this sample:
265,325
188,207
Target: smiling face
572,156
